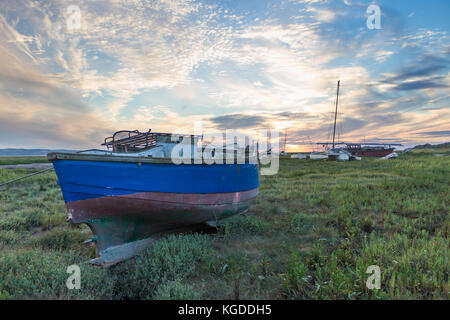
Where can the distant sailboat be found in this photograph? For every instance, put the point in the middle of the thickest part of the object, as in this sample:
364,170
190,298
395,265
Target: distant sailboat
354,151
333,153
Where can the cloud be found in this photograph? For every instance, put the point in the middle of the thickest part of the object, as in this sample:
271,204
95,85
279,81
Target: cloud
30,124
166,64
155,45
444,133
295,115
323,15
18,77
238,121
420,84
425,67
381,56
423,74
37,108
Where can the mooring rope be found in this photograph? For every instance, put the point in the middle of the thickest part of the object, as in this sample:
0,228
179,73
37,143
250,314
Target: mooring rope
28,175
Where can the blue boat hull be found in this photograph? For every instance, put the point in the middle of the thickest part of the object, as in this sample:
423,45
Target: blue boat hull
81,180
127,203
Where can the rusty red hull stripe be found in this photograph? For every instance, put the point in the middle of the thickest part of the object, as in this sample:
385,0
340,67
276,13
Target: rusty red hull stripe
148,203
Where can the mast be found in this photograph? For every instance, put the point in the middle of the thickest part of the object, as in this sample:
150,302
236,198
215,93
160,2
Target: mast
335,113
285,135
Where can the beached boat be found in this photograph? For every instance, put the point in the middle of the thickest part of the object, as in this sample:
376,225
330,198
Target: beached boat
134,192
299,156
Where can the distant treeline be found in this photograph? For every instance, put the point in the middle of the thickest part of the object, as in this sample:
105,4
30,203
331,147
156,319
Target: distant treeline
13,152
433,146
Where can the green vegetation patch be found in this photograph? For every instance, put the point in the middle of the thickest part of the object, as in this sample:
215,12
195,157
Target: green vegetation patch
311,234
22,160
38,274
243,224
159,271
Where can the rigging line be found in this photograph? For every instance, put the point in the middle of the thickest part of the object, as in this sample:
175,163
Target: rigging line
28,175
335,114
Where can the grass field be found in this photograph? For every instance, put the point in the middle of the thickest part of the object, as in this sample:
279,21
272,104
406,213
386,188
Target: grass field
312,233
22,160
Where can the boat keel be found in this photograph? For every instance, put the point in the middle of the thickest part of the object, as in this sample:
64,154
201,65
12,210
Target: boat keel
112,255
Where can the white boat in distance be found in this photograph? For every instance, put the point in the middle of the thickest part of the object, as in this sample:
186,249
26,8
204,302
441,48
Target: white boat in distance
299,156
318,155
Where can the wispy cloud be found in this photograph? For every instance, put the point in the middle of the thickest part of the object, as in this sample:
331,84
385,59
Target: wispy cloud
167,63
444,133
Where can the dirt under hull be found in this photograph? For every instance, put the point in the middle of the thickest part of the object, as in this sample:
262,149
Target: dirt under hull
126,224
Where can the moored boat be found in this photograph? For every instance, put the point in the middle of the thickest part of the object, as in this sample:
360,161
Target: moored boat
318,155
130,195
369,151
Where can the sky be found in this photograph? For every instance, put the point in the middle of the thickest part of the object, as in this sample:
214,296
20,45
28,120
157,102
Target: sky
73,72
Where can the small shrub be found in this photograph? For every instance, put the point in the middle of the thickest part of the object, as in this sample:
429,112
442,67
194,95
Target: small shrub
4,295
244,224
52,220
9,237
21,220
62,238
175,290
301,222
296,282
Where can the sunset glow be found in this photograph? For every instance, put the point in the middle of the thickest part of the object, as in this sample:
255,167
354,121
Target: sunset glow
231,64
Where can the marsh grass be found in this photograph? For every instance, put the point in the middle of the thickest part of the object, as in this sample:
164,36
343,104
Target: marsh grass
313,231
160,270
38,274
22,160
